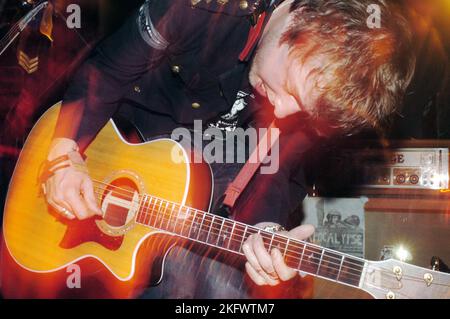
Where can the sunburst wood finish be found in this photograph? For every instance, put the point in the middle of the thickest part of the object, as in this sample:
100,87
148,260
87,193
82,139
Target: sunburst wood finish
145,197
38,239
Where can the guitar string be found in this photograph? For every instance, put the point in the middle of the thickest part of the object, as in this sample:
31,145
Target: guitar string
293,243
234,238
14,30
345,271
416,279
257,230
396,293
236,222
9,35
269,235
385,270
216,227
388,272
382,269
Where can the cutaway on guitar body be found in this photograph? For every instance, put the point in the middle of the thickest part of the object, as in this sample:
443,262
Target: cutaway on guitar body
152,198
115,255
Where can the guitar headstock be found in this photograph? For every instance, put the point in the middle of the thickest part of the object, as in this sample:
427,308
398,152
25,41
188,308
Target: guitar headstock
36,7
393,279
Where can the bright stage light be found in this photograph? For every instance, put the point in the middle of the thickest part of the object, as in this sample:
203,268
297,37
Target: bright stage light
402,254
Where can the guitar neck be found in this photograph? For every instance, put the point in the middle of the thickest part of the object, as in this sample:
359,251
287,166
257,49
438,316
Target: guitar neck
14,32
230,235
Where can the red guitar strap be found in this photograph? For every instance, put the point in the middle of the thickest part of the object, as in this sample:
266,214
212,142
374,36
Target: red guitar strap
235,189
253,37
258,156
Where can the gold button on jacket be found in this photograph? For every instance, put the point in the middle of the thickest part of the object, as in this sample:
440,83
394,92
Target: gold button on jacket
175,69
243,4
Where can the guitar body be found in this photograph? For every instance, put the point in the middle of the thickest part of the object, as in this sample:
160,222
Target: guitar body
46,256
152,197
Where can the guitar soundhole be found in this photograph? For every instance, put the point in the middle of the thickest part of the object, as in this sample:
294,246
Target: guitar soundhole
120,202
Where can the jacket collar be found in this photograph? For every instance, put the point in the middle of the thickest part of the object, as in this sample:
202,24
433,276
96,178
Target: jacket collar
250,8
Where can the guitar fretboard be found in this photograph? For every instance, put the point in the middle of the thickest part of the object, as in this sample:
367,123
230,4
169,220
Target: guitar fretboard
230,235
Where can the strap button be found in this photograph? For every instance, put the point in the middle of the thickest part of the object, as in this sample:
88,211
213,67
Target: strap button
196,105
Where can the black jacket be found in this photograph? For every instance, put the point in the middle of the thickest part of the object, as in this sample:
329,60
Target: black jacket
174,61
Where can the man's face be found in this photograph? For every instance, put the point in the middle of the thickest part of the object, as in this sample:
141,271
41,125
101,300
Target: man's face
278,76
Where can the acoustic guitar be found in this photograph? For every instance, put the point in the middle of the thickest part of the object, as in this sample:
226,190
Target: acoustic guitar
152,198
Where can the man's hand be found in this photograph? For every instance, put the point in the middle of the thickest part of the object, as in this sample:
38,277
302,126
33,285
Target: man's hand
266,268
70,190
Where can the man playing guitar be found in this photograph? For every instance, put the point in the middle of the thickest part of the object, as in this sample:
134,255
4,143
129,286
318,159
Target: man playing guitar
176,61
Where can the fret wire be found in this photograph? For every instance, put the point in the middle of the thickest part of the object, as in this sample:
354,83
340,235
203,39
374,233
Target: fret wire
339,258
184,220
176,221
212,220
163,213
220,231
356,260
285,248
243,237
149,213
141,209
143,195
349,273
192,224
201,226
156,211
320,261
304,249
340,267
209,230
271,240
356,267
303,255
169,220
144,207
231,236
